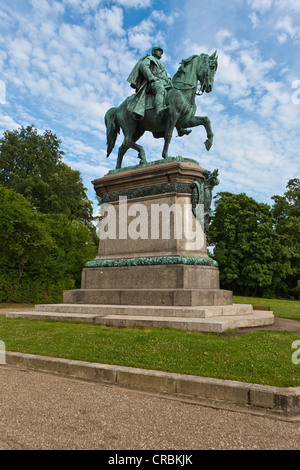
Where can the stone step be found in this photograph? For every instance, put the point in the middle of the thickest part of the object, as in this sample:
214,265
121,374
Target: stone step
171,297
145,311
217,324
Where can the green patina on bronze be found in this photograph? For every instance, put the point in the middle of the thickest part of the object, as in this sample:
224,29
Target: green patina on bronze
165,188
156,162
202,194
159,260
149,76
161,104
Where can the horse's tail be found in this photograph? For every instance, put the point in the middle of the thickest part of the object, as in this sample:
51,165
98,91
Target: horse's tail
112,129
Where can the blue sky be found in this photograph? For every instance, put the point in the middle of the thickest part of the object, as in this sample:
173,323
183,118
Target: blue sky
64,63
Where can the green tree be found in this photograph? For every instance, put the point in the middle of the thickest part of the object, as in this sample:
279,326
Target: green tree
22,231
251,259
74,245
40,254
286,211
31,164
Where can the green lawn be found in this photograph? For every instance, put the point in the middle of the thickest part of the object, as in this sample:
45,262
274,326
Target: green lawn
15,305
263,357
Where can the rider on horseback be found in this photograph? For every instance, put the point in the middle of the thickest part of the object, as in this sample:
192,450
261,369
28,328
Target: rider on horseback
149,76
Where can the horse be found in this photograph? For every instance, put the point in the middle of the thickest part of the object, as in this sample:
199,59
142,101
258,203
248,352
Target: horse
181,109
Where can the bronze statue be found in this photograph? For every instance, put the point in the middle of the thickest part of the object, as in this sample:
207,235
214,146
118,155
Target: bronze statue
202,194
149,76
173,104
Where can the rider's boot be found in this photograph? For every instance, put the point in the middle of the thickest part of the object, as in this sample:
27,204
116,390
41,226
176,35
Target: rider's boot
159,105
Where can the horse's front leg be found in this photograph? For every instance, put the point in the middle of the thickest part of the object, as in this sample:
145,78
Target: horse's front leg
203,121
170,124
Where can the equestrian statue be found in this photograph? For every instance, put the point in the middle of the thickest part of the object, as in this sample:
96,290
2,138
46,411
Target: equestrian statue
160,103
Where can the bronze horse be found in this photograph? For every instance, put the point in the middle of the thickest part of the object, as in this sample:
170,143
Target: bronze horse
180,114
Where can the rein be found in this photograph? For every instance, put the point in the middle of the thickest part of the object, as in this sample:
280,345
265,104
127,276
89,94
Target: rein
191,87
198,88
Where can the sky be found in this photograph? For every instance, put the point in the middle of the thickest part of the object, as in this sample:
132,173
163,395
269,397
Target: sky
64,63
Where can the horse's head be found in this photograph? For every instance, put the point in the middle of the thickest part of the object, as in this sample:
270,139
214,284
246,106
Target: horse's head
207,70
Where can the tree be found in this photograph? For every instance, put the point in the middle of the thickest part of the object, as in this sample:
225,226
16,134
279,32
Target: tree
31,164
22,231
286,211
40,254
73,245
246,245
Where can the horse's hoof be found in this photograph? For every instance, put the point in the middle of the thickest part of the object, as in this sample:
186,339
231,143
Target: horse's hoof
142,160
208,145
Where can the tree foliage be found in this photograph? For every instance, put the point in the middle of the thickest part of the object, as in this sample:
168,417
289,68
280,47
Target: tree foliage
31,164
46,230
249,250
286,211
22,231
40,254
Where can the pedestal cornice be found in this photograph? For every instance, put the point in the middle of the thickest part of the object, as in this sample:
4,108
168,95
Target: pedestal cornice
177,171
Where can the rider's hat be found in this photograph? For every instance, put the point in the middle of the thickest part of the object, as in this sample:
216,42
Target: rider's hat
154,48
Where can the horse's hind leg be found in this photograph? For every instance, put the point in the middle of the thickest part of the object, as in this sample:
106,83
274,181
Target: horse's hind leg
141,152
121,152
127,144
131,135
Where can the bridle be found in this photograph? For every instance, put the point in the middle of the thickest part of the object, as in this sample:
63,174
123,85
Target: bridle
198,88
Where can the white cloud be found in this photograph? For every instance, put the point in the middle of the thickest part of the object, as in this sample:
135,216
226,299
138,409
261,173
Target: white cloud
83,5
7,123
226,41
287,29
254,19
110,21
231,75
242,71
134,3
43,9
145,34
261,5
2,92
291,5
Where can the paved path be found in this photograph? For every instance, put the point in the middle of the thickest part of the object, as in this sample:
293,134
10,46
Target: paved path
44,411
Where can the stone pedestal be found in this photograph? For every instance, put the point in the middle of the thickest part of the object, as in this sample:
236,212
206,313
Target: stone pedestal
152,249
151,207
152,266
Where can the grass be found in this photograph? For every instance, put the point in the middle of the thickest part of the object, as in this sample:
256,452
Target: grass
263,357
5,305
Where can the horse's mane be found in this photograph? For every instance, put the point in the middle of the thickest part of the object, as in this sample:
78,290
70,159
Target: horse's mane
185,62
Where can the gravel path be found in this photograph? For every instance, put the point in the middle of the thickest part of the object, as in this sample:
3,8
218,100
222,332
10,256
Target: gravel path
40,411
280,324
